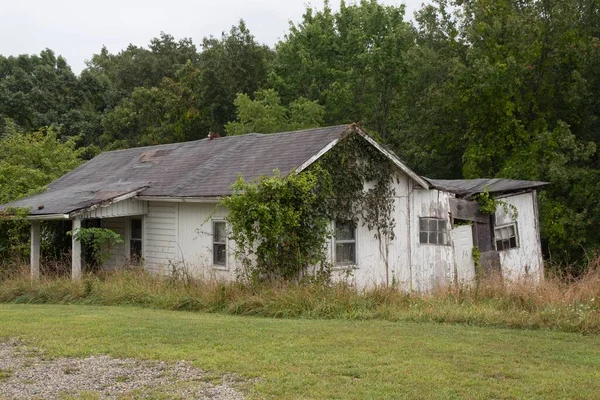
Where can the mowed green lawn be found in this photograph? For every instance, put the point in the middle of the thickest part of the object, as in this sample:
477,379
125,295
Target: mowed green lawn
326,358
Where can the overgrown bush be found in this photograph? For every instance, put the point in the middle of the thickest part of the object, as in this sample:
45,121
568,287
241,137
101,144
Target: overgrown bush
280,225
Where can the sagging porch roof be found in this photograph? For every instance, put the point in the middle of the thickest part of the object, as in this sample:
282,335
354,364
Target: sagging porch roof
199,169
470,187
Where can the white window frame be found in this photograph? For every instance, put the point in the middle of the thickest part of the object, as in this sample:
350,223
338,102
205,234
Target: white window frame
224,266
437,231
506,226
343,241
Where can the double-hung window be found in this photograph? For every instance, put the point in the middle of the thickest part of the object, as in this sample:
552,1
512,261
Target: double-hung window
506,237
219,243
433,231
345,243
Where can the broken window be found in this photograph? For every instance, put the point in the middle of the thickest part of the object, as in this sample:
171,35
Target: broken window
433,231
219,243
345,243
506,237
135,241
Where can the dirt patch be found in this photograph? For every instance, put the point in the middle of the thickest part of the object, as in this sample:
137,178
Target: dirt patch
26,374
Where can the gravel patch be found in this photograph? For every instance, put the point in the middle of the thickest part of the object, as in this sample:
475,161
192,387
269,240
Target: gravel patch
26,374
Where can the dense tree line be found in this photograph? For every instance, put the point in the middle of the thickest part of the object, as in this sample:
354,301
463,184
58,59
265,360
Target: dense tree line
470,88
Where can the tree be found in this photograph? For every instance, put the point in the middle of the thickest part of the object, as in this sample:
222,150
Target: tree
234,63
266,114
350,61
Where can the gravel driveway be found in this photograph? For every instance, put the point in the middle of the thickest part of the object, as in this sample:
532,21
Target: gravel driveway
26,374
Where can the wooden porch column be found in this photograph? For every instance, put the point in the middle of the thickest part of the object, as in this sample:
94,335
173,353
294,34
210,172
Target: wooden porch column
76,252
35,249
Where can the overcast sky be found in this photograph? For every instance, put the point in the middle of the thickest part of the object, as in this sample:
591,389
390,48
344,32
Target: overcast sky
76,29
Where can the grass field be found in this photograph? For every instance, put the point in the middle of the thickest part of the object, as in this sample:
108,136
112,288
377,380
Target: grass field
326,358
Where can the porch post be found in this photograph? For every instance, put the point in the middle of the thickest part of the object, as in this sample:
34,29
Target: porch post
76,252
35,250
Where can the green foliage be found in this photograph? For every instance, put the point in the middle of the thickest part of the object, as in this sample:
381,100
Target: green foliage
479,271
351,165
350,61
29,161
280,225
99,241
489,205
266,114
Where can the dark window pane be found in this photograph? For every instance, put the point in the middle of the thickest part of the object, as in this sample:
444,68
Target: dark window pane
344,230
423,237
135,251
219,254
441,225
499,245
441,238
423,224
433,237
220,232
513,242
136,228
432,225
345,254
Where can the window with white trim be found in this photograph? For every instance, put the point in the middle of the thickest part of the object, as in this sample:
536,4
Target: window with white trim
433,231
345,243
219,243
506,237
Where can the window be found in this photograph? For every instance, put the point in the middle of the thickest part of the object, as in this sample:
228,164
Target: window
345,243
433,231
506,237
219,243
135,241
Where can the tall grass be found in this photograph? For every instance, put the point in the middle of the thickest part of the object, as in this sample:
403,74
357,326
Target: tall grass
557,303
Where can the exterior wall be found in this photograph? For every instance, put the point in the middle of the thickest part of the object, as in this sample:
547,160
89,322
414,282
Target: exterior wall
120,209
178,236
525,260
120,254
411,265
431,265
160,246
196,241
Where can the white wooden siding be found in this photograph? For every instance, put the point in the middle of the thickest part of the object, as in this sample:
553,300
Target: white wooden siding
123,208
160,245
432,265
195,240
525,260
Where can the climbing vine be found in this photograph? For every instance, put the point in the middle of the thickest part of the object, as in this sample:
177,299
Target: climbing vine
281,224
350,164
489,205
100,241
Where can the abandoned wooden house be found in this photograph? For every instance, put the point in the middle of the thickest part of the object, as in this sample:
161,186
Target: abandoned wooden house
162,200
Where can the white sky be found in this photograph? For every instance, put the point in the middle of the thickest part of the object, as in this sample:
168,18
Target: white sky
76,29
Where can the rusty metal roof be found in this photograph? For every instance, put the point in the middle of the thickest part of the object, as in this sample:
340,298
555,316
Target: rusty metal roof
470,187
